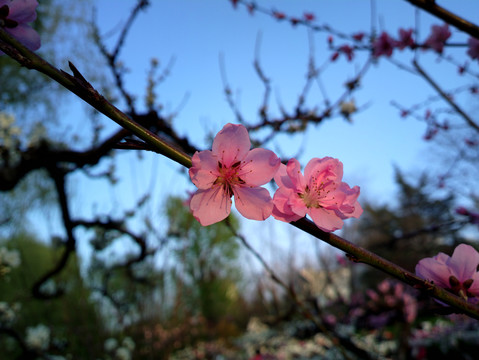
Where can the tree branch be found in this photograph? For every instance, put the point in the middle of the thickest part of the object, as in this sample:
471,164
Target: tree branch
449,17
79,86
445,96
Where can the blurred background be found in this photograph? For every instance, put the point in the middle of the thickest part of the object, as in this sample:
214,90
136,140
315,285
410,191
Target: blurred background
99,255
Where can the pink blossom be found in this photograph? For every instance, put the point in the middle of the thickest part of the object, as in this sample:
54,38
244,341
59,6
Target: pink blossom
405,39
383,45
231,168
279,15
438,37
473,50
320,193
14,16
309,16
457,273
348,51
358,36
473,216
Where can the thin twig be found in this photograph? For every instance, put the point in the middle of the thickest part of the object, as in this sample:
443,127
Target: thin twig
445,96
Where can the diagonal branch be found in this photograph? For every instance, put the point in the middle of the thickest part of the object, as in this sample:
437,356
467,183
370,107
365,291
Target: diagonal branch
462,24
85,91
446,97
76,84
359,254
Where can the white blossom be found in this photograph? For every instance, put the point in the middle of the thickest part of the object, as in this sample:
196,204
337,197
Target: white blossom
8,259
128,343
348,107
110,344
122,354
7,313
38,337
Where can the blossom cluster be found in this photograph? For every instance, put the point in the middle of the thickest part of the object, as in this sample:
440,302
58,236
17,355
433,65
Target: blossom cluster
38,337
232,169
385,44
8,313
8,259
119,351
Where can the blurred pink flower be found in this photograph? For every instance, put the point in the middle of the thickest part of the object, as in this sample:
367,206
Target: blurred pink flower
405,39
14,16
309,16
457,273
279,15
438,37
473,50
358,36
231,168
320,193
473,216
383,45
348,51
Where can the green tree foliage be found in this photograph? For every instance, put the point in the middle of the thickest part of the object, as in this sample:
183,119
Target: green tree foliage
207,260
72,318
126,294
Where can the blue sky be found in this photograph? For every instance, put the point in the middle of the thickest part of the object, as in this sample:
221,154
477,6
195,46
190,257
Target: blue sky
197,33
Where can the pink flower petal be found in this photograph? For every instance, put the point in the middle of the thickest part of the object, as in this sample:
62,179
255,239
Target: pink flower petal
282,210
282,178
433,270
204,171
231,144
350,207
210,206
297,205
260,165
473,50
463,262
326,220
327,168
293,169
22,11
253,203
26,35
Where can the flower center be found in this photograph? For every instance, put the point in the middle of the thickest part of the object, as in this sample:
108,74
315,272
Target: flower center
4,22
319,189
310,197
229,177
